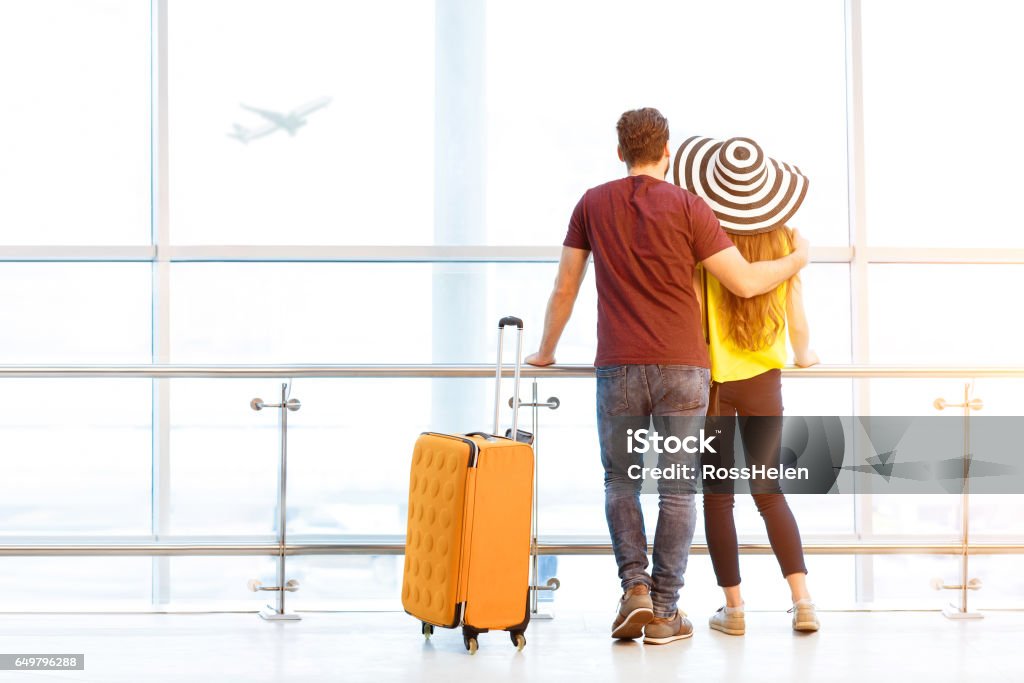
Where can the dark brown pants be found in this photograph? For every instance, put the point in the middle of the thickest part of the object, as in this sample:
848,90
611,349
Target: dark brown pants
760,398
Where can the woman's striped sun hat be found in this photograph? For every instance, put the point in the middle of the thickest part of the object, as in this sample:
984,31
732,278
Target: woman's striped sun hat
748,191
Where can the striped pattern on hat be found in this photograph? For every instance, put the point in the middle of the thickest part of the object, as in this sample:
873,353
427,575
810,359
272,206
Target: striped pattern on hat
748,191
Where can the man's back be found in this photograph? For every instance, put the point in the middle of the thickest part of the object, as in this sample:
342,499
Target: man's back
646,236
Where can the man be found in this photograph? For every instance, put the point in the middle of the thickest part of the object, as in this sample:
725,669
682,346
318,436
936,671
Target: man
647,237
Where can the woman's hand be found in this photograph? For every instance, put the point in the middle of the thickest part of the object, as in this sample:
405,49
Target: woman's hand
806,359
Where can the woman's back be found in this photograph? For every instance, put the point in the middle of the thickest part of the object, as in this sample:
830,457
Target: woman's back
747,336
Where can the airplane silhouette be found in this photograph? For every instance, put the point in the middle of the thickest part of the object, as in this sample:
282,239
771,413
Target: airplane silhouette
290,122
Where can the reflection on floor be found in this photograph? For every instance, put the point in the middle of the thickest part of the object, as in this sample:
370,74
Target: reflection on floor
852,646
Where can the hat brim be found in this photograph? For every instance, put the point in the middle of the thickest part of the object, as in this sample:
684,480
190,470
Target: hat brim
771,198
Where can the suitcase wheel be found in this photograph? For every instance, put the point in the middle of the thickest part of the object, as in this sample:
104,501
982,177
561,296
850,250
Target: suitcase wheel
427,630
471,644
518,639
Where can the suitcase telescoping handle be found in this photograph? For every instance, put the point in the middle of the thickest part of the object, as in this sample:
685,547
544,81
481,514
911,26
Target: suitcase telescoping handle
502,324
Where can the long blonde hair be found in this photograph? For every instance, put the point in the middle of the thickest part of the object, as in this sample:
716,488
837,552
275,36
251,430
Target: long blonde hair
756,323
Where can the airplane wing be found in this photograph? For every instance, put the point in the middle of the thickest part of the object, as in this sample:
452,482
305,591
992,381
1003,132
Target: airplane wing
310,107
262,131
247,134
274,117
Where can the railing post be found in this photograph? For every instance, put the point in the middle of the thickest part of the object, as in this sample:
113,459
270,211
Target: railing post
278,613
552,584
952,611
534,556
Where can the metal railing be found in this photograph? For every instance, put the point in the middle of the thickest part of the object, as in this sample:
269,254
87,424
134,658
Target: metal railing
393,546
467,370
361,545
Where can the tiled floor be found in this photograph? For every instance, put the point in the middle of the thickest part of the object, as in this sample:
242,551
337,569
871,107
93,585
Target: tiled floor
853,646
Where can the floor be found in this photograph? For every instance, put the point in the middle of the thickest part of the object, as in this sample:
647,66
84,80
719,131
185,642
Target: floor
852,646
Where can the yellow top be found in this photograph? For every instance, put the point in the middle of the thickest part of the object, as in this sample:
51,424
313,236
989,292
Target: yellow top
729,363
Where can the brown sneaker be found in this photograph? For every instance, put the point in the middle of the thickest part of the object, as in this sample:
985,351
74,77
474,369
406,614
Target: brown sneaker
635,611
663,630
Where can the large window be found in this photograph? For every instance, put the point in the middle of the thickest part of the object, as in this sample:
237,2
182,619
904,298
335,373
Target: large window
272,182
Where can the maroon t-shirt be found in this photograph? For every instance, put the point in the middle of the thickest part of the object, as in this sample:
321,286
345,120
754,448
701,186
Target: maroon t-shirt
646,236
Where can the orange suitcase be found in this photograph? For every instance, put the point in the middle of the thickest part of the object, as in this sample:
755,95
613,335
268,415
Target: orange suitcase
467,545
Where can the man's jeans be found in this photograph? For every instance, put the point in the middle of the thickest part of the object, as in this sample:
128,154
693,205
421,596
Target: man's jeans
631,397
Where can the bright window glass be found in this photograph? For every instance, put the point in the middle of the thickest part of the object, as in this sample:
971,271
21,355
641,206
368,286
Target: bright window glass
1002,575
363,313
75,312
75,457
75,139
904,581
944,314
343,477
358,170
941,122
94,584
770,71
76,453
199,582
223,458
364,174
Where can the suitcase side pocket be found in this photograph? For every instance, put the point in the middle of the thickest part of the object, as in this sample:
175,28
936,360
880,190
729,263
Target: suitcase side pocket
435,530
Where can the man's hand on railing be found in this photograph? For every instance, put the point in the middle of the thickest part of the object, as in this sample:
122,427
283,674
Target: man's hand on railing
540,359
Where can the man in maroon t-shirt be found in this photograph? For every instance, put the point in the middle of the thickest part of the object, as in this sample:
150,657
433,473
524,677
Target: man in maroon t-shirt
647,237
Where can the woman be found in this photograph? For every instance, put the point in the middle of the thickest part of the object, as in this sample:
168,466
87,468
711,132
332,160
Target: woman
753,197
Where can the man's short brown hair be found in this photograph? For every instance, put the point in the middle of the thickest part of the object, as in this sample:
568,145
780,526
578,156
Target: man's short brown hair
643,134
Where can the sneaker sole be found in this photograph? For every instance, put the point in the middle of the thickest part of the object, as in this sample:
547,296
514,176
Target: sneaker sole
728,631
669,639
806,626
633,627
